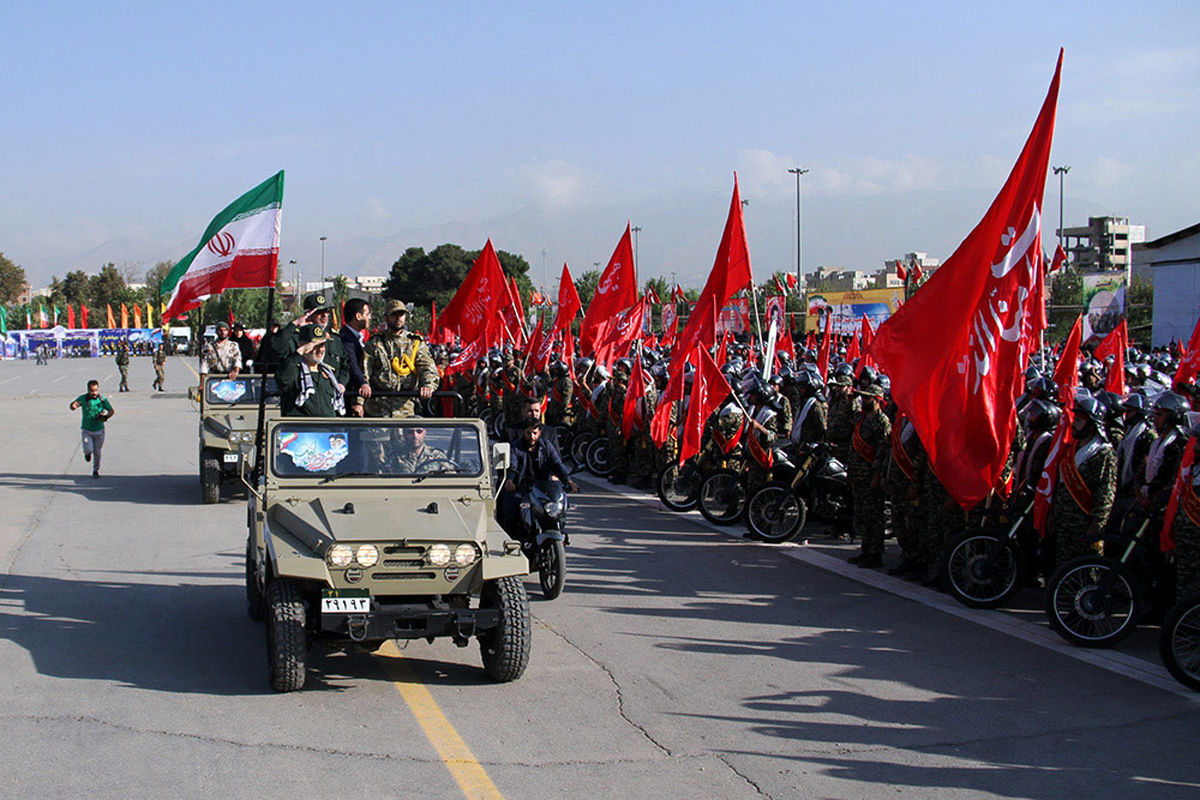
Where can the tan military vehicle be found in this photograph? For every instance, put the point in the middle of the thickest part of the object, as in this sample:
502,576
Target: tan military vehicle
228,420
365,530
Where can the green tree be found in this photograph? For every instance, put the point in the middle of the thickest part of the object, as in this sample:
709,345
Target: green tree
1066,303
155,277
420,278
586,286
109,287
1139,311
75,288
12,280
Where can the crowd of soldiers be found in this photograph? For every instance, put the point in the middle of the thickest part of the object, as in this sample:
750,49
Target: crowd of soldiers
1126,453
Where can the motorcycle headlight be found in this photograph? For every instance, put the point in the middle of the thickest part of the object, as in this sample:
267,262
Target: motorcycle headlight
552,508
367,555
465,555
340,555
439,555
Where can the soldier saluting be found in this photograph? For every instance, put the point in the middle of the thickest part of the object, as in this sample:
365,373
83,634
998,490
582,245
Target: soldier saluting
288,339
397,360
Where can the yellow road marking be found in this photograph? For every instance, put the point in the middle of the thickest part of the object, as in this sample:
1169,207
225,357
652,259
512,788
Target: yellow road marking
188,364
472,778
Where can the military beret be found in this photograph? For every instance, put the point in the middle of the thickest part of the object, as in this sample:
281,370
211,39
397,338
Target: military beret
316,301
313,333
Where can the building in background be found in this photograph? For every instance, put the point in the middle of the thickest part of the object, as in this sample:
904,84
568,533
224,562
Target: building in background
1174,263
889,276
840,279
1103,245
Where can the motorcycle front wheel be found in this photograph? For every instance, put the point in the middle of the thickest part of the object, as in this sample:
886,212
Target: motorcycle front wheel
552,568
1083,614
982,568
597,457
579,446
1179,642
775,514
722,497
679,487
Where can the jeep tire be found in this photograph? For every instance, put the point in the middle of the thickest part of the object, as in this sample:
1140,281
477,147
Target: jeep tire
505,648
287,643
210,477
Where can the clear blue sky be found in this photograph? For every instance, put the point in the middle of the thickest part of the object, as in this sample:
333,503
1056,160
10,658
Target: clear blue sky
546,126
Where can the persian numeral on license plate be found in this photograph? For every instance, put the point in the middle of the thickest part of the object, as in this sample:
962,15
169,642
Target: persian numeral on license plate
345,605
231,458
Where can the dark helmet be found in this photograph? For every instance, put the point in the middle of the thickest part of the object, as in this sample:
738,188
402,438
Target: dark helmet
809,379
1175,405
1135,405
776,381
866,376
757,386
1092,409
1043,416
1045,387
558,369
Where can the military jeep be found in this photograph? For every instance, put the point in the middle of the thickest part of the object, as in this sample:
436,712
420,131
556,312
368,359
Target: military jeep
228,421
357,537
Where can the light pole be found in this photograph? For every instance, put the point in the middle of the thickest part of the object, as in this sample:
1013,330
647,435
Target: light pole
797,171
1061,172
322,265
636,230
543,269
295,281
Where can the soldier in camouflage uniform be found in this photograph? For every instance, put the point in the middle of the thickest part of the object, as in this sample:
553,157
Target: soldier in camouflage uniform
901,462
412,456
223,355
397,360
160,364
514,388
844,408
558,409
612,405
123,365
642,463
1087,482
1186,530
867,445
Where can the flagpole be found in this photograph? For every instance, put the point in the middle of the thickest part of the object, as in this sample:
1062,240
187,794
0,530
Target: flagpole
754,298
261,432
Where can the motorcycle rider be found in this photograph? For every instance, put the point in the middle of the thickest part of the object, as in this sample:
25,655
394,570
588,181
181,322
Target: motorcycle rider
533,459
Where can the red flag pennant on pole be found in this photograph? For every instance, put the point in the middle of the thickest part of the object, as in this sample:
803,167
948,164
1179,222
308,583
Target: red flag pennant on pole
1066,375
1115,345
568,300
631,411
957,349
1060,259
1189,365
709,390
71,316
478,298
826,340
615,292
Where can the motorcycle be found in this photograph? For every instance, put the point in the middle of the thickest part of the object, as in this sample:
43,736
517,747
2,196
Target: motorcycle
777,511
543,534
1179,642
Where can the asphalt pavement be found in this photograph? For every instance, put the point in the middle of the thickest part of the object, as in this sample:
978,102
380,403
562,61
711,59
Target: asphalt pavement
680,662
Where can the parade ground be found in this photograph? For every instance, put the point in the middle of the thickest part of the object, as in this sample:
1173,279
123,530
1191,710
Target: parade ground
680,662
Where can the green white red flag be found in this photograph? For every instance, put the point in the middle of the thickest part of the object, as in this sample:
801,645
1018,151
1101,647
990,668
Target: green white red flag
239,250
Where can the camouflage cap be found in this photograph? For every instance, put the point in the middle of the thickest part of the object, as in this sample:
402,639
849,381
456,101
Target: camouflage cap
843,380
872,390
394,306
316,301
222,324
313,333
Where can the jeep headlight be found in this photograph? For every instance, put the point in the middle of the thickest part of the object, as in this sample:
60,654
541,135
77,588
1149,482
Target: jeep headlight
340,555
367,555
465,555
439,555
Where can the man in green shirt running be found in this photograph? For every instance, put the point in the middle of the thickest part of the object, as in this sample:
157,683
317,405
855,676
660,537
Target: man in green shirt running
96,411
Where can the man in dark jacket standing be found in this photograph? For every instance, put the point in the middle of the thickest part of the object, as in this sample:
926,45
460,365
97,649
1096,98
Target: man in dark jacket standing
356,318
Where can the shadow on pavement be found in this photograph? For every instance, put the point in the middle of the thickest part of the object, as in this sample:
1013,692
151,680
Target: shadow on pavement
902,682
114,487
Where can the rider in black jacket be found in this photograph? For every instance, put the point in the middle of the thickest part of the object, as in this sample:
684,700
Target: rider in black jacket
533,459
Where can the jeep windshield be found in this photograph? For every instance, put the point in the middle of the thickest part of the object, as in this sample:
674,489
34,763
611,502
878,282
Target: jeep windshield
240,390
389,448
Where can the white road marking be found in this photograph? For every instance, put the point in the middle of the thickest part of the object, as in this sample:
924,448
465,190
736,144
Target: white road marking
1147,672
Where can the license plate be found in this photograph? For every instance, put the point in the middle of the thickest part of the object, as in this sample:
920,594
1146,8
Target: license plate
231,458
345,601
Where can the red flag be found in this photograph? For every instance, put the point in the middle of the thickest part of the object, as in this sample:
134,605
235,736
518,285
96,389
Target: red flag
433,321
1060,259
230,311
1166,537
823,353
632,416
784,343
1189,365
1115,345
111,323
616,291
957,349
468,356
792,281
730,273
71,316
137,315
620,333
652,294
901,272
779,286
852,352
917,274
677,295
1066,375
660,423
709,390
669,333
83,313
866,335
568,301
478,298
723,349
124,316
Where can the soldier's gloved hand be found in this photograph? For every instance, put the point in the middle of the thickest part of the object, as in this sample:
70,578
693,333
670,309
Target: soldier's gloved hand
426,392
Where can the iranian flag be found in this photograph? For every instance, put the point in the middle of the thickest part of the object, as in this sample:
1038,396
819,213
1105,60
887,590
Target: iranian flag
239,250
